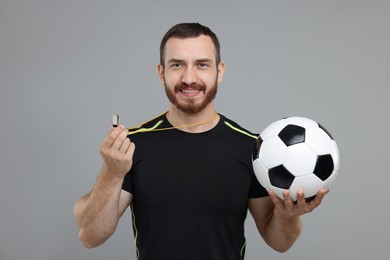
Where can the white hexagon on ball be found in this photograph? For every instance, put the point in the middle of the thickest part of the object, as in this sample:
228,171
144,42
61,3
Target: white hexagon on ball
318,140
300,159
272,152
261,173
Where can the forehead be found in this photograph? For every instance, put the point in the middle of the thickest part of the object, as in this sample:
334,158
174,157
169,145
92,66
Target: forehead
193,48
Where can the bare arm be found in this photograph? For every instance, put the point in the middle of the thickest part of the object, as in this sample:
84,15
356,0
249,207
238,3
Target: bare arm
278,221
98,212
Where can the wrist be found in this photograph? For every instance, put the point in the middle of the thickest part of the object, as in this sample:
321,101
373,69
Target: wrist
289,222
286,218
110,178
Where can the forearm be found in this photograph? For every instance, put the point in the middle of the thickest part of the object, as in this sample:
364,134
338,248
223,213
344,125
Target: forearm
280,233
97,213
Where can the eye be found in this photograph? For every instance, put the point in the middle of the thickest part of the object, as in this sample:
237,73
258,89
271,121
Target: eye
203,65
176,65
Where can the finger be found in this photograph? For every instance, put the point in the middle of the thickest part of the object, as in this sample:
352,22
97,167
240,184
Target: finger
111,137
118,128
130,150
122,136
288,202
320,196
124,146
276,200
324,191
301,202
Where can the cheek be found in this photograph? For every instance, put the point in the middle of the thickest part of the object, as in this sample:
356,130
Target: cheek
170,80
211,81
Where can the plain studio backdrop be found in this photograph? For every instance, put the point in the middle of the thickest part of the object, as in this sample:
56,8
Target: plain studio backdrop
67,66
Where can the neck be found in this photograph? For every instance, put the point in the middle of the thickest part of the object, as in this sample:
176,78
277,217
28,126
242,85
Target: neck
193,123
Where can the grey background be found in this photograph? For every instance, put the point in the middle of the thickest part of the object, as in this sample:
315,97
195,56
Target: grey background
67,66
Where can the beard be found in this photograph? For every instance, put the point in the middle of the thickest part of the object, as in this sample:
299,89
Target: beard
190,106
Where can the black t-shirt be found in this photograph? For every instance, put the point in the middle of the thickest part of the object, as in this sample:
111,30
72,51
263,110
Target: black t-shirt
191,191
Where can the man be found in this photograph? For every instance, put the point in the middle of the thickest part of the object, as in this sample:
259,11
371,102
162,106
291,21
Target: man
190,181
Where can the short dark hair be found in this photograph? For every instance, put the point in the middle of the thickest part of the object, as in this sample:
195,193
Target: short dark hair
189,30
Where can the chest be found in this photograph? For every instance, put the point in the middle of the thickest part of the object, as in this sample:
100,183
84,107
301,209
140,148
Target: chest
206,174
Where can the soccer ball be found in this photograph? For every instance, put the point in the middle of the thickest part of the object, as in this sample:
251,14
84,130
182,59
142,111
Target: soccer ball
295,153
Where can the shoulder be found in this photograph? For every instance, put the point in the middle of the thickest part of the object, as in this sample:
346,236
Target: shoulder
236,129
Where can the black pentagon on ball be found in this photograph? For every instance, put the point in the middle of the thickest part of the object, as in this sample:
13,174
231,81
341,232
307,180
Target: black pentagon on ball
292,134
280,177
324,166
256,148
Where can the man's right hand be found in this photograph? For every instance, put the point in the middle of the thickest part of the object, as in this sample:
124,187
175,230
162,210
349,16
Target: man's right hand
117,152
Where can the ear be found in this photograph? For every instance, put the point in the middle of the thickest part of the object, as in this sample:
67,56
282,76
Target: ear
221,71
160,72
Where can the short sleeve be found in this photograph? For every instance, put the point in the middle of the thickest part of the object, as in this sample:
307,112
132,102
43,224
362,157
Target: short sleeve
127,184
256,189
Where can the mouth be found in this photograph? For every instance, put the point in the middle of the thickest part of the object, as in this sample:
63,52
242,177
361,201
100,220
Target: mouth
190,91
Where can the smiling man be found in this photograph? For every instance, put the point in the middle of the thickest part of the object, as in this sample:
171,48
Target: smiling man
191,74
187,174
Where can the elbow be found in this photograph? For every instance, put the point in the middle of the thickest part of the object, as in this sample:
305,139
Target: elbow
89,240
283,249
282,242
89,244
280,246
285,244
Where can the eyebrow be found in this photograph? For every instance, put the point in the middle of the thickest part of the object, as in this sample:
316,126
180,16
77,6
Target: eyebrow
203,60
174,61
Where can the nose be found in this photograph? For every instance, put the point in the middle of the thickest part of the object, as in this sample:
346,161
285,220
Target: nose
189,76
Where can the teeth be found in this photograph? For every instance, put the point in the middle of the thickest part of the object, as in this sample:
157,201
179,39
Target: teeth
190,90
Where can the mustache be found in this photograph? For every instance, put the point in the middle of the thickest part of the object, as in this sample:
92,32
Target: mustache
182,86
